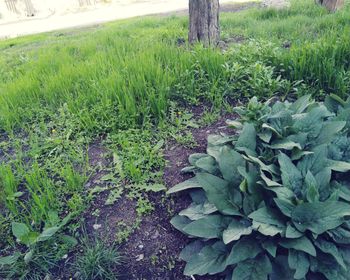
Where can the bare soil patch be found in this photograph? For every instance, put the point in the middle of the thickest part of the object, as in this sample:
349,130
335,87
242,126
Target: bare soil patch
151,251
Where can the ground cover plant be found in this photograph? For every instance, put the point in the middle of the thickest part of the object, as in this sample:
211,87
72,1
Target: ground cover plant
88,118
272,202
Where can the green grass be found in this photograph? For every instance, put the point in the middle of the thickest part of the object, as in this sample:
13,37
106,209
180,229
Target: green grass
127,69
97,260
130,85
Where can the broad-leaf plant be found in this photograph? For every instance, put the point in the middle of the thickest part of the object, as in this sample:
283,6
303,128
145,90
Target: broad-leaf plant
273,200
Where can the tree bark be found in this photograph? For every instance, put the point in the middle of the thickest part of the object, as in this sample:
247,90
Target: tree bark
331,5
204,22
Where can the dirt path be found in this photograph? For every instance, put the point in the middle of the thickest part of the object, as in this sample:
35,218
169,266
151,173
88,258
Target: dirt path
103,13
276,3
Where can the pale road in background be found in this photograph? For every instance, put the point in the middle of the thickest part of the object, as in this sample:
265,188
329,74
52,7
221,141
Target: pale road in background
50,15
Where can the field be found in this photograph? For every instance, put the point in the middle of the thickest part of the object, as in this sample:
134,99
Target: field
96,124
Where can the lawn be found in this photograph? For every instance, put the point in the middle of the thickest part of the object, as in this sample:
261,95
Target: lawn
96,124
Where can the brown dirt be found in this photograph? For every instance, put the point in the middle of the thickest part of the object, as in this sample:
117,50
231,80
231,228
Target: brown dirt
5,150
151,251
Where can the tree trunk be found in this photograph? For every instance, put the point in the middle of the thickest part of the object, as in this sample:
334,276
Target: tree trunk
332,5
204,22
30,11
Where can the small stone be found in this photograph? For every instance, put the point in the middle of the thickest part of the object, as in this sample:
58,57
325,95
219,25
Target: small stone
155,235
140,246
97,226
140,257
65,256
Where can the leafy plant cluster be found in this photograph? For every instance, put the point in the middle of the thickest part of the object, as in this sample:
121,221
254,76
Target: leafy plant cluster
274,201
240,76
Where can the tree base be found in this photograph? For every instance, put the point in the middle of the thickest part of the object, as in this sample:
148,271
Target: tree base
204,22
332,5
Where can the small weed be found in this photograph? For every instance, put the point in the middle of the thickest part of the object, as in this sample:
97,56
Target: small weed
208,117
154,260
97,260
136,155
144,207
124,231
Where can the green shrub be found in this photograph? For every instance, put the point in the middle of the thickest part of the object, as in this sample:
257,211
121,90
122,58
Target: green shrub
273,201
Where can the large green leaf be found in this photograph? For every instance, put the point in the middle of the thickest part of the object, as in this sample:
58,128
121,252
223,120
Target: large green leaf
270,246
280,120
268,216
215,143
23,234
298,261
340,166
227,200
211,259
340,148
319,217
314,162
207,164
235,230
281,269
265,135
312,186
311,122
292,232
285,144
229,161
48,233
256,269
198,196
247,137
250,173
28,256
245,248
291,176
286,206
301,244
9,260
326,265
266,127
300,105
179,222
251,202
191,249
328,132
189,184
272,169
323,179
198,211
20,230
269,182
208,227
330,248
333,102
298,154
340,235
343,190
195,157
283,193
267,229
